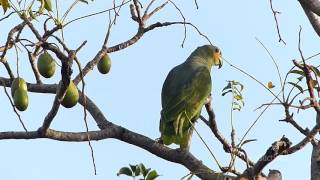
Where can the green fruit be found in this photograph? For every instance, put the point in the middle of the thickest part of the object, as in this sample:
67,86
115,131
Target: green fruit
21,99
46,65
104,64
18,83
72,96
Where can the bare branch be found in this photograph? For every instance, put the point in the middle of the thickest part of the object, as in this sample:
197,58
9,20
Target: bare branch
7,16
276,20
275,150
212,124
315,130
65,73
147,16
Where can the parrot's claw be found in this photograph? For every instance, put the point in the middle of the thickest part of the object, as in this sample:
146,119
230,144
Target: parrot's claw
159,140
182,150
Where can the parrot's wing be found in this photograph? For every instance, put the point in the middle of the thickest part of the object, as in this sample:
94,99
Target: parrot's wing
183,95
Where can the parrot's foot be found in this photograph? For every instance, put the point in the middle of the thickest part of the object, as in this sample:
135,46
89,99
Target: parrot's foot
208,99
159,140
182,150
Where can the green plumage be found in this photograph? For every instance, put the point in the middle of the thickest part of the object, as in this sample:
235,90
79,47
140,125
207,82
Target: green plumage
184,93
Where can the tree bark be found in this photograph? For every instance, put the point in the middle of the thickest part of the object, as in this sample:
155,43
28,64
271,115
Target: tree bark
315,162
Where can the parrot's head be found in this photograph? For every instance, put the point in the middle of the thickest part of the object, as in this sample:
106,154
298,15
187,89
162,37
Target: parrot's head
208,55
217,56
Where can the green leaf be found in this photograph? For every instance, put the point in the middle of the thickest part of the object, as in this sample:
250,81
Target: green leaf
300,78
226,92
5,5
227,87
146,172
238,97
47,5
241,87
297,86
133,167
84,1
152,175
295,71
248,141
143,170
125,171
315,70
33,16
137,172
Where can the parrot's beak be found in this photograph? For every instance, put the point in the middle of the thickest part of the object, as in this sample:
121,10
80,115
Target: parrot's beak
217,58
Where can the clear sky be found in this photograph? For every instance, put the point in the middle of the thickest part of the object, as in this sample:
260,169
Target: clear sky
130,94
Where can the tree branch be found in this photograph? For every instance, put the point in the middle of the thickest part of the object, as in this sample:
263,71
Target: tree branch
313,17
110,130
313,5
66,74
275,150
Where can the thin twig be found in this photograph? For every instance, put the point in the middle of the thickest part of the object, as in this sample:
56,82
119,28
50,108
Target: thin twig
276,20
196,3
252,77
184,20
275,64
7,16
255,121
146,16
93,14
205,144
85,113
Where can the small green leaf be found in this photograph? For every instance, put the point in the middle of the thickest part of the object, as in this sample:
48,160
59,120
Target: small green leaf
238,97
297,86
300,78
84,1
143,170
226,92
248,141
295,71
146,172
152,175
133,167
125,171
137,172
227,87
47,5
315,70
5,5
241,87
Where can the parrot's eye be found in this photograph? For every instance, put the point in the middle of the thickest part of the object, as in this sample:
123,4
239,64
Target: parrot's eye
217,50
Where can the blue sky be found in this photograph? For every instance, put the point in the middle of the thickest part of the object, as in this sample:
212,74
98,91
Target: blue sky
130,94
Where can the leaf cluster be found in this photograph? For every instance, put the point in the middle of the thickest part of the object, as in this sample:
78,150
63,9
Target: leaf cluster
138,170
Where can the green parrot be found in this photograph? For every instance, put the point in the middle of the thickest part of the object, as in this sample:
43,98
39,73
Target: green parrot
184,92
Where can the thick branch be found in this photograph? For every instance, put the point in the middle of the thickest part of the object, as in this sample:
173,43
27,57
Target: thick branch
313,17
276,149
315,130
110,130
313,5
